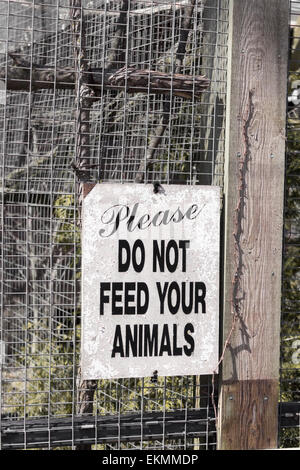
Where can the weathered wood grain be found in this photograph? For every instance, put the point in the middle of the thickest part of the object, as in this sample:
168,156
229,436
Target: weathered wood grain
255,425
254,217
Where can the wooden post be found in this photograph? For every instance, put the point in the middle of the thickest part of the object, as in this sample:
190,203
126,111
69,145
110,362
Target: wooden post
254,187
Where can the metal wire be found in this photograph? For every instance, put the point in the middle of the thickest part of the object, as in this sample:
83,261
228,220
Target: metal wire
40,229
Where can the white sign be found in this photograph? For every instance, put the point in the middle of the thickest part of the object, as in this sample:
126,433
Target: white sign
150,281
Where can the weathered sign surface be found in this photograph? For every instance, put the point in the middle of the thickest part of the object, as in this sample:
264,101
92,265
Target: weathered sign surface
150,281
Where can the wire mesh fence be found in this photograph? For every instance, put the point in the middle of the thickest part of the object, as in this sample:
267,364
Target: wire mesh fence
149,115
154,124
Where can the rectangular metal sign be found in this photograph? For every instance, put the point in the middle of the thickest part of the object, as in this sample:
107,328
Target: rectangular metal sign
150,281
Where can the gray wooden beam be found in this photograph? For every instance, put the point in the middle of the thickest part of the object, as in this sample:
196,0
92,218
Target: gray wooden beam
254,194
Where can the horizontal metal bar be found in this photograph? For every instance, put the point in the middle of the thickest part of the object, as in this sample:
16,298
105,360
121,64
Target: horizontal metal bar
18,433
289,414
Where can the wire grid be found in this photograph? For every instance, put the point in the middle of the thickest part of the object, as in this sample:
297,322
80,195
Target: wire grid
289,435
40,230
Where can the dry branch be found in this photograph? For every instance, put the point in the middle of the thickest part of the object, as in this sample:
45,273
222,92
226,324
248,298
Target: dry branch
159,82
84,93
23,77
192,91
117,55
151,10
84,97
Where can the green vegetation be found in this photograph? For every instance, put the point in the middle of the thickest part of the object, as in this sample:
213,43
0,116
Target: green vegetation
290,337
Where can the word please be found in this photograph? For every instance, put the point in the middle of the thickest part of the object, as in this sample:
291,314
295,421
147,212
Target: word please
129,216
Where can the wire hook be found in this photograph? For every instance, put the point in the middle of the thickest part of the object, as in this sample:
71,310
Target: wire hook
157,188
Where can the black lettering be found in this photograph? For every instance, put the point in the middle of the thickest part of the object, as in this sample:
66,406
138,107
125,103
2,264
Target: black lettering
141,337
120,213
194,211
165,345
176,350
158,256
123,246
129,310
143,221
177,216
172,266
151,341
131,219
184,244
155,219
162,295
173,288
189,328
143,341
116,310
142,309
108,218
104,299
200,293
187,307
138,266
131,341
118,343
165,220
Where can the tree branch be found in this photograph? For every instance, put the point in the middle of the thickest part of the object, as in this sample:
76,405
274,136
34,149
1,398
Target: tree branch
116,58
84,96
196,86
136,80
84,93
